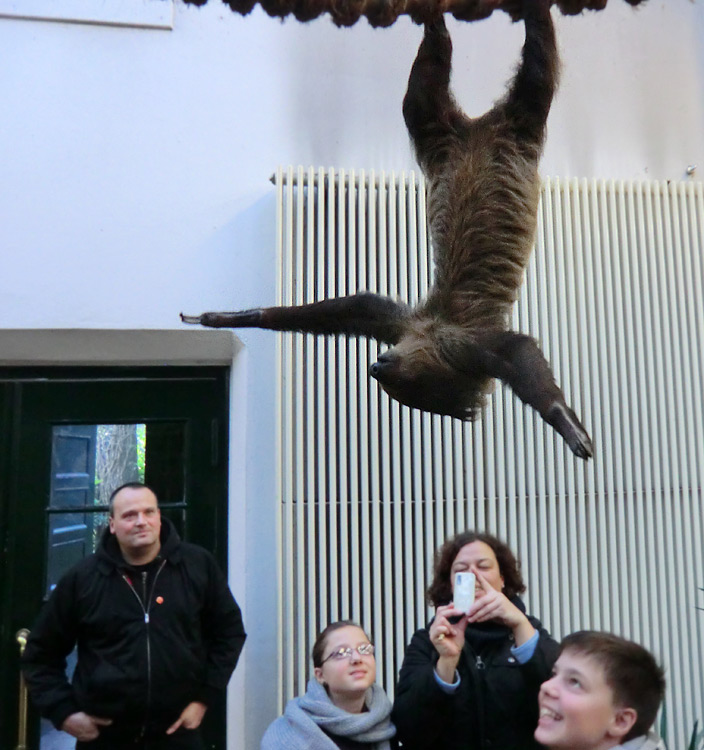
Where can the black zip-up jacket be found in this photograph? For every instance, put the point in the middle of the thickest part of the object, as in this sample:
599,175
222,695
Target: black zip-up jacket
150,640
495,706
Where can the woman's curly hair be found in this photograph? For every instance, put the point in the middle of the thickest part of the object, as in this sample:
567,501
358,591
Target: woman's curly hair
440,590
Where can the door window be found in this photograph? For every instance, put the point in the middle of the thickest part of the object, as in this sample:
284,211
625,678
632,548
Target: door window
88,461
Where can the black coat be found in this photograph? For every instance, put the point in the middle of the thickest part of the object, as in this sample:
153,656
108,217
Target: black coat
495,706
138,664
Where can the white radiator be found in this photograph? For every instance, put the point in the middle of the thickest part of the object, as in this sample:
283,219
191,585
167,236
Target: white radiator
369,489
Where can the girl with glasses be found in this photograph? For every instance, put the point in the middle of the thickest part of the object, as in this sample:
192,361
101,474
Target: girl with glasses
343,708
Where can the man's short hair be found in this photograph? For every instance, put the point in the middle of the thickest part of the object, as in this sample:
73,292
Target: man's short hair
127,486
636,679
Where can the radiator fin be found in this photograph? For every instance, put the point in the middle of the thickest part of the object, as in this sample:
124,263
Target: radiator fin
369,489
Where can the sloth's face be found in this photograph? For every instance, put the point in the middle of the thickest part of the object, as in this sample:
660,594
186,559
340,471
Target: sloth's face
419,378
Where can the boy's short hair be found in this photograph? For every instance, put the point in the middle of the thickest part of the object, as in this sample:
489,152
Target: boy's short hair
636,679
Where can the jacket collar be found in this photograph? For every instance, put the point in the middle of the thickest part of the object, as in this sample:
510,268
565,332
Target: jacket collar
109,555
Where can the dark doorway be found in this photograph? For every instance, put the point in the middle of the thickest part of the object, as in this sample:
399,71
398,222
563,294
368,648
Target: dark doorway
67,436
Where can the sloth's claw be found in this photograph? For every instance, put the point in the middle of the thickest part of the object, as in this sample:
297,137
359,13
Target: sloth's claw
565,421
193,320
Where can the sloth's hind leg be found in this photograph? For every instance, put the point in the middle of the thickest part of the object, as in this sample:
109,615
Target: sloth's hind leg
518,361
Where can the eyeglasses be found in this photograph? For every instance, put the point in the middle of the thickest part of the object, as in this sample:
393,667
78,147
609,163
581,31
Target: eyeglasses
364,649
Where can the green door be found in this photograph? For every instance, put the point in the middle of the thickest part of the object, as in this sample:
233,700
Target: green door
67,438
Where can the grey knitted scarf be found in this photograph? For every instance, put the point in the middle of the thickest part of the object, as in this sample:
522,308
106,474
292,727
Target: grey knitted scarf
301,727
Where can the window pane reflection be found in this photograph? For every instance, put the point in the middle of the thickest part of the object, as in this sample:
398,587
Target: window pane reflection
87,463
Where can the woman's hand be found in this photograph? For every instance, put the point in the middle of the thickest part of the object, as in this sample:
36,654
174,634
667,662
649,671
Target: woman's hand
448,640
494,605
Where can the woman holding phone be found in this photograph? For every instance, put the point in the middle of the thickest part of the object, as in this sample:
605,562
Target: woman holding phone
471,678
343,708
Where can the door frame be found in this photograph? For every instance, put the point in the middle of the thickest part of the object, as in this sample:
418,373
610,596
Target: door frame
41,348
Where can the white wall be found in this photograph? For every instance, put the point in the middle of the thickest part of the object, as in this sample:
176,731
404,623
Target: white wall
134,170
137,159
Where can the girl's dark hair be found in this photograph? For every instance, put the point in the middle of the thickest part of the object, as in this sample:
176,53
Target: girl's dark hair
440,590
320,641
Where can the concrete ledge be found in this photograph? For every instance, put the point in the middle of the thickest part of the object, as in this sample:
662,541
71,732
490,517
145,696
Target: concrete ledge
141,14
81,346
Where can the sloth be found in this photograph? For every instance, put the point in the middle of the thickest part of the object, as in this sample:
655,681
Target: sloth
483,192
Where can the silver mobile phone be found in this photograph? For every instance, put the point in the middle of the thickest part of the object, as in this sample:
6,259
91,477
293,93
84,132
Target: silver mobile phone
464,591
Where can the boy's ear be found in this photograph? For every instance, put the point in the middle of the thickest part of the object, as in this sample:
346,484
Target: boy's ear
623,721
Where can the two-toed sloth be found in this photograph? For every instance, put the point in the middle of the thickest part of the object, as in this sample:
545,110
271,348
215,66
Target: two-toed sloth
483,193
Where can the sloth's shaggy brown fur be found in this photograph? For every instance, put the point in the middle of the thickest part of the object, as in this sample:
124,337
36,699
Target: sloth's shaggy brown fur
483,192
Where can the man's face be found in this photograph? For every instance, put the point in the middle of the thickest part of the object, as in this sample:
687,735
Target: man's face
136,521
577,710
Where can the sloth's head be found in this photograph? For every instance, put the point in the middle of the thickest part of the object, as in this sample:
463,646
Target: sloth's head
416,373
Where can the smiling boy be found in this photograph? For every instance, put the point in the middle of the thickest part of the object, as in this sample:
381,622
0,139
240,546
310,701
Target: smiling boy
604,693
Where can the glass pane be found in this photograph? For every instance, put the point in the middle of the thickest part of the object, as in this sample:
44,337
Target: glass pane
87,463
72,536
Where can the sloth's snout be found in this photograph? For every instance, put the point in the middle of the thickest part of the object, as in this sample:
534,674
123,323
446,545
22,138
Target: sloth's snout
380,366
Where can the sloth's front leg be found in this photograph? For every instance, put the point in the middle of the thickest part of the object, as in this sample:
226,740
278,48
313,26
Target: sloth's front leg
361,314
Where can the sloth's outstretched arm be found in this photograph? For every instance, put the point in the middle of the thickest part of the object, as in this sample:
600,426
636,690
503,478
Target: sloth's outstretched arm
428,92
362,314
517,360
430,112
533,87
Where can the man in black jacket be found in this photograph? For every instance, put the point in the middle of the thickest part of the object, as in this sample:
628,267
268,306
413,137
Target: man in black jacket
158,634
